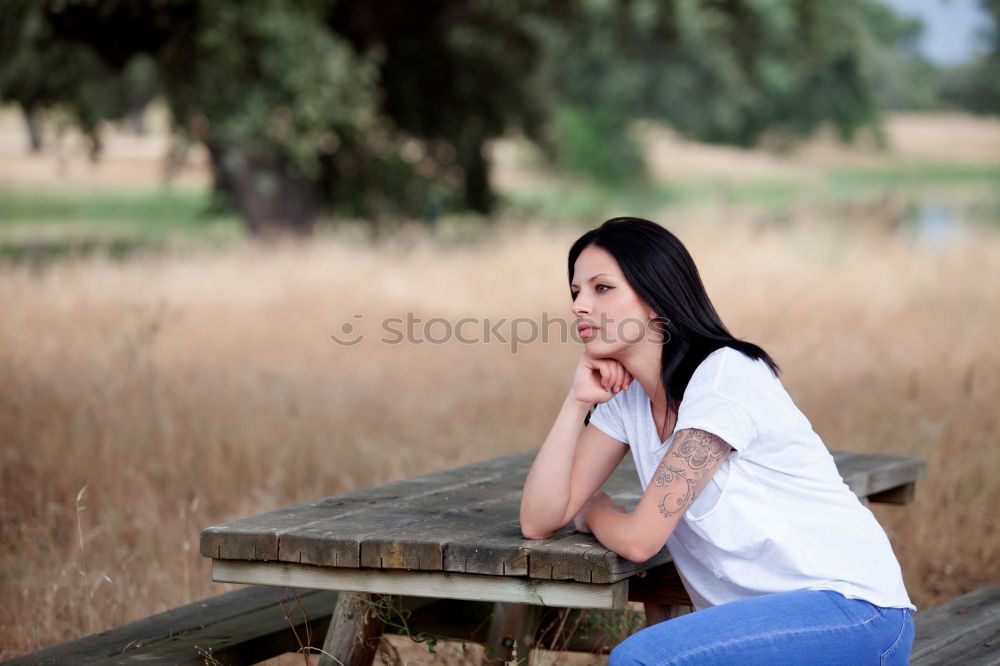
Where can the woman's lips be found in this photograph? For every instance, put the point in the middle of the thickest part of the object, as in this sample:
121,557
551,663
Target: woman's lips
585,331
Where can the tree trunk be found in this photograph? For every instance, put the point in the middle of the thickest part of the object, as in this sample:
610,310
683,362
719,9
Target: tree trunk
270,200
479,194
34,127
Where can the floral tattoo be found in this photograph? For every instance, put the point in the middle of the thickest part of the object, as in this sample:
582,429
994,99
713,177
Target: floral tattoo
685,465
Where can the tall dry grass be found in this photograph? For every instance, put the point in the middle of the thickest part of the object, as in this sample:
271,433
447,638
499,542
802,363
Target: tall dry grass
186,390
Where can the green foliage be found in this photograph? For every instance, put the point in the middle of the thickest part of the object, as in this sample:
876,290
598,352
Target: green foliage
976,86
377,107
373,106
595,141
453,74
278,86
725,72
902,79
38,71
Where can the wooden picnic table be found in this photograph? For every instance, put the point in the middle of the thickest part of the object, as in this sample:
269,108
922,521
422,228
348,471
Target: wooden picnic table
455,535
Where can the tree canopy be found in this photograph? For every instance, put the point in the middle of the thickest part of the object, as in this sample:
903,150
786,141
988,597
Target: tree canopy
976,86
380,106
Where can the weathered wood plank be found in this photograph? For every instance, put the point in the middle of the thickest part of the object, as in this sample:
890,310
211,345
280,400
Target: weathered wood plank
496,549
440,585
421,544
337,540
236,627
410,535
869,473
965,630
580,557
257,537
567,559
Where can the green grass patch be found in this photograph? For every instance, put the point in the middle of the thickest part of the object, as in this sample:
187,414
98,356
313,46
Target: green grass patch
151,210
580,199
38,226
906,175
764,192
586,200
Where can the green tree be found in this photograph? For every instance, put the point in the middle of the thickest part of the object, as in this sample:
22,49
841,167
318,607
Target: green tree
976,86
725,71
381,106
40,72
371,106
901,78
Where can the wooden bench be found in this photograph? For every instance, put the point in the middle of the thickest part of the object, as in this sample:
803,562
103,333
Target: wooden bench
249,625
240,627
963,631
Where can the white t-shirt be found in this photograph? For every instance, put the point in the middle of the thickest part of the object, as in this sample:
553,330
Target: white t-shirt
776,516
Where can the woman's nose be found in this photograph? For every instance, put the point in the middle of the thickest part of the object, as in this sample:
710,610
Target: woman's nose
580,306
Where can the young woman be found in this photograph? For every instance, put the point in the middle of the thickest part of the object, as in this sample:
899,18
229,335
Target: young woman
783,563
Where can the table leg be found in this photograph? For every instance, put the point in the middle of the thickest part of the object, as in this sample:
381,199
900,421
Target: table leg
656,613
661,592
354,633
513,628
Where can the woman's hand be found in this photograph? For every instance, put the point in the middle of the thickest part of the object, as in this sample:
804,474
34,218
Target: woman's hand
598,379
599,499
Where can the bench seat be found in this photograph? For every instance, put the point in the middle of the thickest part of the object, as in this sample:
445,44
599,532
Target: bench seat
963,631
239,627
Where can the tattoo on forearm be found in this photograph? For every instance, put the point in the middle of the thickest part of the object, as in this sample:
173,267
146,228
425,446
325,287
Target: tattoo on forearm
684,466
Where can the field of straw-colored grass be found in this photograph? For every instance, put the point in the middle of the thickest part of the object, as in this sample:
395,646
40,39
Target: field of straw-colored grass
143,400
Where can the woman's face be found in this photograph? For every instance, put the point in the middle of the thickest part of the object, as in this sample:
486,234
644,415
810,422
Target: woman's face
610,316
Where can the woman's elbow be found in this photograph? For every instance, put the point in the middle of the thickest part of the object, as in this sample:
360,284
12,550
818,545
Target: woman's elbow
530,531
640,552
533,527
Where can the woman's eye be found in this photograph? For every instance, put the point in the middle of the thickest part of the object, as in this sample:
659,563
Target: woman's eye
601,288
574,294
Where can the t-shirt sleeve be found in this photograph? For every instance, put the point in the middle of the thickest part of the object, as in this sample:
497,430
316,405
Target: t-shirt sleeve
707,406
718,415
607,418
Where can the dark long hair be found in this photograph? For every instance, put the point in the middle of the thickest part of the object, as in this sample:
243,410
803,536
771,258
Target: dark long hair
661,272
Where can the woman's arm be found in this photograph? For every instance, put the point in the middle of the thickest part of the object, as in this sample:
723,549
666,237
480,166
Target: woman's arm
573,461
569,468
685,470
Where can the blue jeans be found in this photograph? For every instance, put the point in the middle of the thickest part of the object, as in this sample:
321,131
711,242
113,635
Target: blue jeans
804,627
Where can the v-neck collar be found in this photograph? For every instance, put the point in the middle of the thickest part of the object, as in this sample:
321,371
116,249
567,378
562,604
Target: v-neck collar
656,431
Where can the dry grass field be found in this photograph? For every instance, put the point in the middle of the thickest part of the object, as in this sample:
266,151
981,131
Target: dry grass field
142,400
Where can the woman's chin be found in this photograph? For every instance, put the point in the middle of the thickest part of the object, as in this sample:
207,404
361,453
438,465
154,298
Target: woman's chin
598,349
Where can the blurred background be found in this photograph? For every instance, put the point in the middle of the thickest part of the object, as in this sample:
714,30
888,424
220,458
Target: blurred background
196,195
